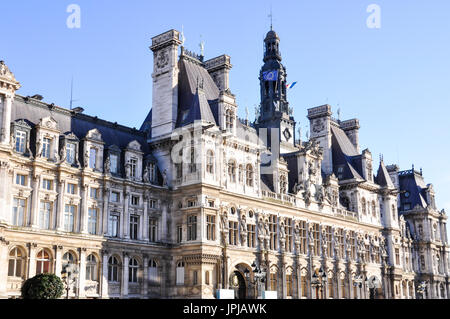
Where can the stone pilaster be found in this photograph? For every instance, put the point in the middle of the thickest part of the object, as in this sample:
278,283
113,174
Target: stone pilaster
84,208
106,194
60,207
36,185
126,218
58,259
144,292
3,267
145,221
32,251
82,273
104,275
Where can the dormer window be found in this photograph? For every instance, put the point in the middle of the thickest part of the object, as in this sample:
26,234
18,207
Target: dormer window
46,142
21,138
133,165
92,158
114,162
229,118
70,153
151,172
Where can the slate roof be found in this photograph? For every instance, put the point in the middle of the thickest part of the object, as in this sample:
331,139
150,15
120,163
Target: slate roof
412,182
78,123
383,179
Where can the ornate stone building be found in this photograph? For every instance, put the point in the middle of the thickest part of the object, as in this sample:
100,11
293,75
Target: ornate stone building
184,206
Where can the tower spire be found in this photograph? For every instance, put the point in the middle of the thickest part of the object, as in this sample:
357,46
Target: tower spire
271,18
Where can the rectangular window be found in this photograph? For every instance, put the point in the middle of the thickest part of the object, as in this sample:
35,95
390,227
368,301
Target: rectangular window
303,237
135,200
69,218
113,225
329,239
21,140
153,230
71,188
93,193
134,226
273,224
316,237
288,235
151,172
114,163
192,227
92,158
397,256
353,245
340,239
114,197
210,227
304,286
152,204
179,234
18,212
44,215
251,236
273,281
70,153
92,222
289,285
133,165
46,142
233,233
21,180
47,184
192,164
192,203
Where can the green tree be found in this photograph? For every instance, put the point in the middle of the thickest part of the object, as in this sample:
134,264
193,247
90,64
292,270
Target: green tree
43,286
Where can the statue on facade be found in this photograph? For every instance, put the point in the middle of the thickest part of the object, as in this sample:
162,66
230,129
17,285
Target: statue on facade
164,176
128,170
282,231
146,176
319,193
297,234
108,165
86,158
311,236
63,153
266,229
336,245
39,148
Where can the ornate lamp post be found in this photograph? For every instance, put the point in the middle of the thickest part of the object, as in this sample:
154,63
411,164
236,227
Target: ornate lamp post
358,282
69,277
317,281
259,277
422,288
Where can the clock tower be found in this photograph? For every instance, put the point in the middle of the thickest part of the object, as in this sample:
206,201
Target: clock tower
274,112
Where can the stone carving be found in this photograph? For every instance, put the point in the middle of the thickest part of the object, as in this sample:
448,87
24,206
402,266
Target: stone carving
86,158
63,153
162,59
319,193
297,234
39,148
318,126
128,170
5,72
164,176
282,231
336,244
324,243
298,187
307,193
243,231
311,236
266,229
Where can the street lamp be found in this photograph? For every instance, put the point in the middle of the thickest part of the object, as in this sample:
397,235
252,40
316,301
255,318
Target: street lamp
259,277
69,277
421,289
318,279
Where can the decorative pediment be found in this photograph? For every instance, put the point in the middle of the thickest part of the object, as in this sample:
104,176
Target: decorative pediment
71,136
134,145
94,134
22,124
48,123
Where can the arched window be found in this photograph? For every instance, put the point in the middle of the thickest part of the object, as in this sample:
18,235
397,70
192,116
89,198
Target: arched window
343,290
153,271
304,286
232,171
16,264
249,175
133,267
273,279
113,269
330,287
91,268
43,262
180,273
363,206
210,162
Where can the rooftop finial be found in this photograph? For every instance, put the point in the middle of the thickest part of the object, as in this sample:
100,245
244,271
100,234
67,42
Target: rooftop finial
202,46
183,39
271,18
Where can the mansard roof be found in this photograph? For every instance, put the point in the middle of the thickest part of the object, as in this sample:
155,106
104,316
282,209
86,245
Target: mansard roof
383,179
80,124
412,183
345,156
193,105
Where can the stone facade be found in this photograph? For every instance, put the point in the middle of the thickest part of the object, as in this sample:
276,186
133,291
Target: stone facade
184,206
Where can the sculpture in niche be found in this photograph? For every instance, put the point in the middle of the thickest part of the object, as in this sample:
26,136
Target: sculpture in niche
107,165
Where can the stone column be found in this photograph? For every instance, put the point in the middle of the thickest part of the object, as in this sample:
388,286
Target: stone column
60,207
58,260
144,292
36,185
82,273
124,286
32,259
104,275
104,229
3,268
145,234
4,191
6,121
84,209
126,219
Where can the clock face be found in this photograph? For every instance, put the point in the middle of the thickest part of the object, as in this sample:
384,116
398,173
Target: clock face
287,134
407,194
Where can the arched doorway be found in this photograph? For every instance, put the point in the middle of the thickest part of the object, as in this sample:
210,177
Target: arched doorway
375,288
239,285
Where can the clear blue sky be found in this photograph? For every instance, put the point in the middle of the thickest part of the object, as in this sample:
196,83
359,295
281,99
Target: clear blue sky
394,79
